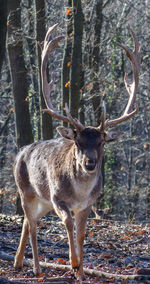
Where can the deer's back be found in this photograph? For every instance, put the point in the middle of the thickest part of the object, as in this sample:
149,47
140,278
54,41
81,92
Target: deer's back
38,162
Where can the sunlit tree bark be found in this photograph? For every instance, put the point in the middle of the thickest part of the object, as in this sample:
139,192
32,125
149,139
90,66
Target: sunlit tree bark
46,120
66,66
95,62
19,79
3,29
76,63
18,75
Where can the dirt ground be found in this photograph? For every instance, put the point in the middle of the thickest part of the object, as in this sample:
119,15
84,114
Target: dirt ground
114,248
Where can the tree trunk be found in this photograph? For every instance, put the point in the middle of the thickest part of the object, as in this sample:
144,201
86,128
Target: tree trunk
96,100
3,30
95,65
46,120
18,75
33,72
19,79
3,152
76,64
66,66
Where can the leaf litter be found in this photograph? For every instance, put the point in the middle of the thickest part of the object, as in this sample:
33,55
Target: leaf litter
110,246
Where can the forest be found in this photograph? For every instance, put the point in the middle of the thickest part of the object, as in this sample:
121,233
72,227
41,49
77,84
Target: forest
88,67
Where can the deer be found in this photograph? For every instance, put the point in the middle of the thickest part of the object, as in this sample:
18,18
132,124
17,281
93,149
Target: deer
64,174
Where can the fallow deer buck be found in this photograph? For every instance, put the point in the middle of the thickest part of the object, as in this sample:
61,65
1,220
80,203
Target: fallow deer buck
64,174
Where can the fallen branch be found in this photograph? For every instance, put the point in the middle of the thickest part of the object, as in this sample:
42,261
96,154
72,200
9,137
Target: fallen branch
33,280
142,274
6,256
58,280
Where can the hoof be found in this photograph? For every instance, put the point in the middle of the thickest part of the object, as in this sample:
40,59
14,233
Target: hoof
79,274
36,271
18,264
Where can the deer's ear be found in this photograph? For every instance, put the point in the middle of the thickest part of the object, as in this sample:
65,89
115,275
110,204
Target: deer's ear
111,136
67,133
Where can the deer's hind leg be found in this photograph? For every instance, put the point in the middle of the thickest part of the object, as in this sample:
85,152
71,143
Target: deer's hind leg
33,210
18,263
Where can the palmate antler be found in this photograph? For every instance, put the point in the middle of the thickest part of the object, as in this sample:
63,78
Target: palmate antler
50,44
135,58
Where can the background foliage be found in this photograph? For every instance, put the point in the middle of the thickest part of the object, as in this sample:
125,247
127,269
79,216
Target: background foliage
102,66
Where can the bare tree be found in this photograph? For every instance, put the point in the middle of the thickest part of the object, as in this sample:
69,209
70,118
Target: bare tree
46,121
95,60
67,57
3,30
18,75
19,78
76,62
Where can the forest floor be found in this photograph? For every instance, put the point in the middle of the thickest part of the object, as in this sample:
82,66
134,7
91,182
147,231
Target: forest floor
114,252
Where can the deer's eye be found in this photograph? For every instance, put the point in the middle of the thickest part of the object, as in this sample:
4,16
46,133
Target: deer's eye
79,145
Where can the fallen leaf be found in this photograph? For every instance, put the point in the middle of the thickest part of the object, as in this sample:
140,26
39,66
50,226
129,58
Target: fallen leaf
61,260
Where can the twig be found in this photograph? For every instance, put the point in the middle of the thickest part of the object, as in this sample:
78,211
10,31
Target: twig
6,122
54,280
137,241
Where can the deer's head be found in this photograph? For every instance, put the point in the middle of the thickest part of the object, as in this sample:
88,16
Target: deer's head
89,143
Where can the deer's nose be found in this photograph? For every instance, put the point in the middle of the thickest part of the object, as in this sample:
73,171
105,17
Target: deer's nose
90,164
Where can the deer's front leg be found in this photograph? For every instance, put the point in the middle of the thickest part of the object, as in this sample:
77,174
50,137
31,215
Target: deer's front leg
81,220
65,215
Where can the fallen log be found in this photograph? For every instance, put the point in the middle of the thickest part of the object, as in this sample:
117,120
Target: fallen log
91,272
59,280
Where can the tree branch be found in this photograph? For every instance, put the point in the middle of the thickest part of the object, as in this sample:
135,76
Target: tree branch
141,274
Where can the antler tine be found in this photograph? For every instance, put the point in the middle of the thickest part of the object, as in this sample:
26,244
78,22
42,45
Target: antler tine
48,46
72,120
49,32
135,59
103,119
137,48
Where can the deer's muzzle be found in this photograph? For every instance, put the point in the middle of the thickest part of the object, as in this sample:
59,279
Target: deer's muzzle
90,164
